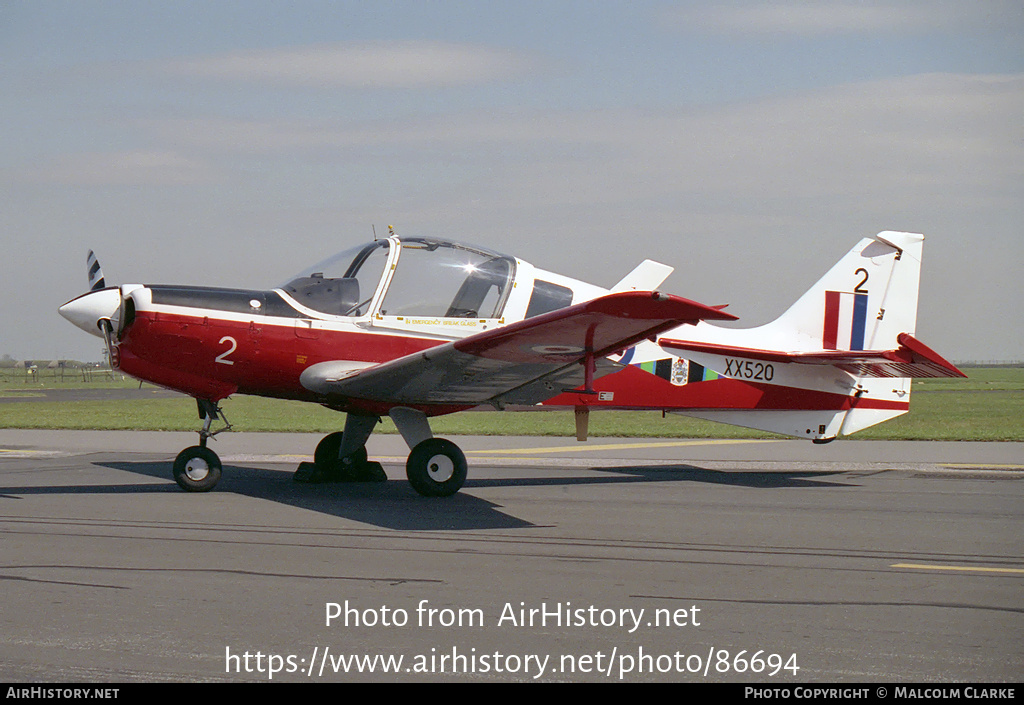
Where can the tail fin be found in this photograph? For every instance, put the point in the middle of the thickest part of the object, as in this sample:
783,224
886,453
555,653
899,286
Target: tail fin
863,302
866,300
838,360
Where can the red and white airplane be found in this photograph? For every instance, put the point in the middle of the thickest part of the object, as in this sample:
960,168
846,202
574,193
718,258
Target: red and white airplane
419,327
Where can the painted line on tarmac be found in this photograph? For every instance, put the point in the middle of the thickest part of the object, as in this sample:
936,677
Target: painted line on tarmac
27,453
964,568
984,466
264,458
616,446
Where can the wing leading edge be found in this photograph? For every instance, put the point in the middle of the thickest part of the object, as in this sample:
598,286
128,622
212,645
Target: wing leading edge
523,363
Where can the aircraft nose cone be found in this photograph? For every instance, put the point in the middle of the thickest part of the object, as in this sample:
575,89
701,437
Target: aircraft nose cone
87,310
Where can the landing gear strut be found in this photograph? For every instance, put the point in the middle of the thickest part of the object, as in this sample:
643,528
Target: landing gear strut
436,467
197,468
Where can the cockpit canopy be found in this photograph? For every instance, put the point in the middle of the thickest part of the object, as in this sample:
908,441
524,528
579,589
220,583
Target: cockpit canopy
408,277
335,285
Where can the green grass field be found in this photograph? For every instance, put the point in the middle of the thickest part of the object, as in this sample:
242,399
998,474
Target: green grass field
988,406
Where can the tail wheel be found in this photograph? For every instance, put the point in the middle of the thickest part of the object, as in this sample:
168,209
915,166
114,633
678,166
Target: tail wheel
197,469
436,468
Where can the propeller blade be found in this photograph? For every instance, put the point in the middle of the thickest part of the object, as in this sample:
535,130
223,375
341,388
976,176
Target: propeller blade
96,280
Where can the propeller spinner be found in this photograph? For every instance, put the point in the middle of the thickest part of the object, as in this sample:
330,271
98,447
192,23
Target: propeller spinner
99,310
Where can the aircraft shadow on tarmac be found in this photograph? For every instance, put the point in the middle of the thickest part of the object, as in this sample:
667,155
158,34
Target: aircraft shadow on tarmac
395,505
679,473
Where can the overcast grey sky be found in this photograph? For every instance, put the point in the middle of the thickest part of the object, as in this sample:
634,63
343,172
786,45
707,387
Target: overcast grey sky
747,144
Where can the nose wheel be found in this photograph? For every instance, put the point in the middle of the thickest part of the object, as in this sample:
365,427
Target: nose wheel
197,469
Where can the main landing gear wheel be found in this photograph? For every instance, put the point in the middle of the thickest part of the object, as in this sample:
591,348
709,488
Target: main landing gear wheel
436,468
329,448
328,466
197,469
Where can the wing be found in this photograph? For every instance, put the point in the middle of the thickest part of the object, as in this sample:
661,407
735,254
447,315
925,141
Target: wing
911,359
523,363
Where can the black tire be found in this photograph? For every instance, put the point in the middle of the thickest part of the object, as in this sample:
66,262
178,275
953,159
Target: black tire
436,468
197,469
327,459
328,448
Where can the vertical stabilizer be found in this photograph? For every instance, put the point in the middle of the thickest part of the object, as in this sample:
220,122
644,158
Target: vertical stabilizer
863,302
867,299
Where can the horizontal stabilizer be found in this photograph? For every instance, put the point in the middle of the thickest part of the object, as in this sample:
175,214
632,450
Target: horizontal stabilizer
911,359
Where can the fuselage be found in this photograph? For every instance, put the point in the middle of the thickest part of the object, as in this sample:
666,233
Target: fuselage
385,300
